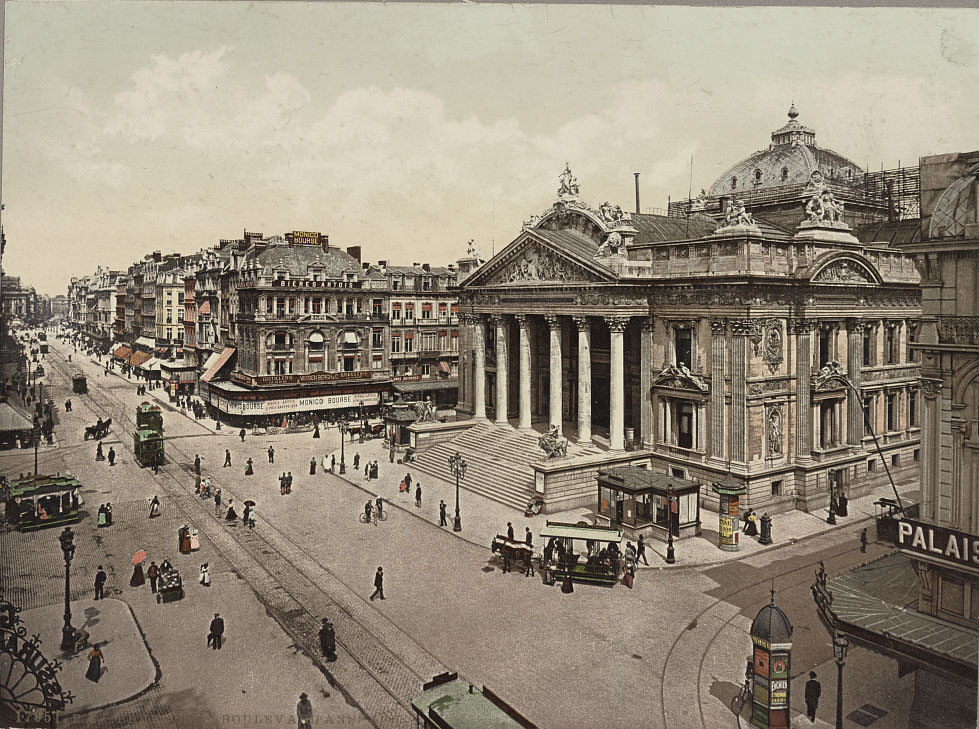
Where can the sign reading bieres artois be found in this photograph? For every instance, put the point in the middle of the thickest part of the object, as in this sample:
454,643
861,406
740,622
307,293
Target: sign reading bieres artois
938,542
299,404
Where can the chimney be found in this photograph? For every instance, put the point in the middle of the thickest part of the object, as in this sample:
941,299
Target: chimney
325,242
366,265
157,256
354,251
427,267
637,191
382,264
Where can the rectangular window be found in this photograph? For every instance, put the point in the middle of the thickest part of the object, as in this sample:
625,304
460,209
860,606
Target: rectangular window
426,370
916,455
409,344
896,460
776,488
824,347
409,311
683,346
891,421
377,307
395,343
913,409
396,314
348,364
426,284
443,310
684,422
889,349
912,337
871,465
377,339
867,347
378,362
870,421
427,312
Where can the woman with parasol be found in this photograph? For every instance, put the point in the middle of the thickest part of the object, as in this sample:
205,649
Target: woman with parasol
137,580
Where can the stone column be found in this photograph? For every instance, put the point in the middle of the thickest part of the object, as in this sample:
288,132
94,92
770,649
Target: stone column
479,347
584,378
646,382
854,358
502,370
739,374
803,373
617,326
555,375
718,329
524,324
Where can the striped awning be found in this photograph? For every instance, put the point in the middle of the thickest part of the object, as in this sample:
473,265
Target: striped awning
122,353
139,358
216,367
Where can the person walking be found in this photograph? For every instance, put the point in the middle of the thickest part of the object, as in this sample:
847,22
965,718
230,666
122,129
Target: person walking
378,583
813,690
289,482
333,463
100,580
328,641
154,574
241,434
529,564
197,464
374,471
271,454
96,660
217,500
304,712
356,461
205,577
418,496
442,521
641,551
408,479
227,458
216,632
137,580
112,456
249,468
509,531
529,538
863,539
99,455
379,502
312,466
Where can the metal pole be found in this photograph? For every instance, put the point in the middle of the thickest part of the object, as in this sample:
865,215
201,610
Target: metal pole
866,420
343,432
457,523
68,548
839,694
670,554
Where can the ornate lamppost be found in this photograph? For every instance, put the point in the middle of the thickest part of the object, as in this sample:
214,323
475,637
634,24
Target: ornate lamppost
458,468
343,427
67,540
840,644
670,554
36,437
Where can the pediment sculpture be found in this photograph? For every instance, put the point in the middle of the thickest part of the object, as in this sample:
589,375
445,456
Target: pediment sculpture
610,213
679,377
737,216
830,376
611,245
536,263
843,271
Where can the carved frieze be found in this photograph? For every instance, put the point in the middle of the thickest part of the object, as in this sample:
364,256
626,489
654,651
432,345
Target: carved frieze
900,373
678,377
773,352
767,387
843,272
958,330
536,263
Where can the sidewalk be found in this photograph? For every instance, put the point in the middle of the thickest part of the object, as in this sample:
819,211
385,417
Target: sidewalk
127,670
483,518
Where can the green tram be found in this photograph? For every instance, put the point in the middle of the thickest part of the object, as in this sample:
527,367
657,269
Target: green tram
149,417
38,502
148,447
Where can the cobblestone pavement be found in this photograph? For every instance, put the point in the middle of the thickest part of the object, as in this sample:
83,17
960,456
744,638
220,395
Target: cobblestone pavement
669,653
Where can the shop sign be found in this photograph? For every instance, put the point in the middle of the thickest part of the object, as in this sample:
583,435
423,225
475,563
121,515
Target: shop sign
726,526
305,238
949,545
299,404
780,693
306,378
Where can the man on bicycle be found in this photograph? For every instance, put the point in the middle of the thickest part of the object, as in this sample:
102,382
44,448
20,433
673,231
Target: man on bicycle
367,512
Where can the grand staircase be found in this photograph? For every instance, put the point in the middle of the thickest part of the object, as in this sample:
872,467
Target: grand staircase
498,461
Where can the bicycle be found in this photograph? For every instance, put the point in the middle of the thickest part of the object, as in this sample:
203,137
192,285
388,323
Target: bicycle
743,698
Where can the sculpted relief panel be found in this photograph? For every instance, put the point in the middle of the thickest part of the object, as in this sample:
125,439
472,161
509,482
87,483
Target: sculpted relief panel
536,263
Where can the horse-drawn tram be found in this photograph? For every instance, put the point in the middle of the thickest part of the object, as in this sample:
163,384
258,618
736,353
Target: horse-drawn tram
598,564
148,447
38,502
149,417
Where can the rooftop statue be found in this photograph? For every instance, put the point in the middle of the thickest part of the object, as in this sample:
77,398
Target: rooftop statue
737,214
567,183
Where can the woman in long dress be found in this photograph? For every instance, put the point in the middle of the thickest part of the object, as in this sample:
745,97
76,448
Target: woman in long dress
248,468
137,580
155,507
95,662
102,518
205,577
232,515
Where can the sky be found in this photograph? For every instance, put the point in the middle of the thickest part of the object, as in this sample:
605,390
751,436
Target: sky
409,129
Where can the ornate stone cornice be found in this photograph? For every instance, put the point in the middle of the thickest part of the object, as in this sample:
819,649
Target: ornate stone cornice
617,323
744,327
648,324
855,325
931,388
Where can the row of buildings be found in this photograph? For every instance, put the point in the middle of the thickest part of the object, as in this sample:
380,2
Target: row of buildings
264,327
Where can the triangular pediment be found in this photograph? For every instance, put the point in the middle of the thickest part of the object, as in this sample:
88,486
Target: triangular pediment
532,260
678,377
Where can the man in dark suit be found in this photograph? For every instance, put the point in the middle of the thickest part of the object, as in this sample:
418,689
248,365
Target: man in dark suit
100,579
509,531
217,630
813,689
529,538
378,584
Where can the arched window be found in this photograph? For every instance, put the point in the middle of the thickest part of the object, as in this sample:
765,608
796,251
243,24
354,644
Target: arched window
757,175
785,174
734,182
315,342
849,175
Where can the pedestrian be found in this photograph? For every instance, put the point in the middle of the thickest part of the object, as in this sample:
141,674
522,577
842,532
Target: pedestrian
506,552
197,464
408,480
356,461
529,564
289,482
156,463
509,531
99,455
368,510
101,519
863,539
137,580
374,471
100,579
67,406
333,463
391,455
271,454
378,583
154,574
205,577
813,690
328,641
244,515
227,458
316,430
751,529
418,496
282,484
217,500
641,551
183,539
112,456
96,662
249,470
241,434
251,517
216,632
312,466
529,538
304,712
442,521
367,470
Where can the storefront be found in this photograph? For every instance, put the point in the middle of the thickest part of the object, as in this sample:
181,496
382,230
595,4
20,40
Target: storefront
443,393
180,378
641,501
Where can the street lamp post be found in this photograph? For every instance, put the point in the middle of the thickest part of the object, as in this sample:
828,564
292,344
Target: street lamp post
36,437
831,519
67,540
670,554
840,644
458,468
343,427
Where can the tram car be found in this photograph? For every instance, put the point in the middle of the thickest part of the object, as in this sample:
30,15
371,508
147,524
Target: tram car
38,502
44,348
149,417
79,384
148,447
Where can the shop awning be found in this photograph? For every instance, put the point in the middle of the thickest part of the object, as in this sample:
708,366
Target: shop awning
569,531
204,308
216,367
211,361
122,353
138,358
151,365
146,342
425,385
444,367
13,419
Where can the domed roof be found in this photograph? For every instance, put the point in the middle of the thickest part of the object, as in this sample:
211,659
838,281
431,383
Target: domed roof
771,624
791,159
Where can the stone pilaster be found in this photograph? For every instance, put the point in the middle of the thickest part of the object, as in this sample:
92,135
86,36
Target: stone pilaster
718,348
584,378
802,328
617,326
555,375
854,359
740,329
524,325
646,382
479,347
502,370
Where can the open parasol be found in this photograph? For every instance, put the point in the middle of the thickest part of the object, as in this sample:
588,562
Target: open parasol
139,556
249,503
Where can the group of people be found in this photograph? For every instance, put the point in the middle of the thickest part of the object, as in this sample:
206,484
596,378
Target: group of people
187,540
370,468
285,483
105,515
100,455
374,511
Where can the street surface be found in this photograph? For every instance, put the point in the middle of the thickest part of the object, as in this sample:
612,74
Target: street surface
669,653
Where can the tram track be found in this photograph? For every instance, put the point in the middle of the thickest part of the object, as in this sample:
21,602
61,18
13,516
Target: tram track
272,560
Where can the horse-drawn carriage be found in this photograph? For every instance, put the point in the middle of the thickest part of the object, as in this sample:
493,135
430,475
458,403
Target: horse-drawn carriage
99,430
514,552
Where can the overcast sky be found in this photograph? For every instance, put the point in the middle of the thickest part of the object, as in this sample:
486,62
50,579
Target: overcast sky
409,129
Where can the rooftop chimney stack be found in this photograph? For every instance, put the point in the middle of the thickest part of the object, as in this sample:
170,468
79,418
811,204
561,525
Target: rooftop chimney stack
637,191
354,251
